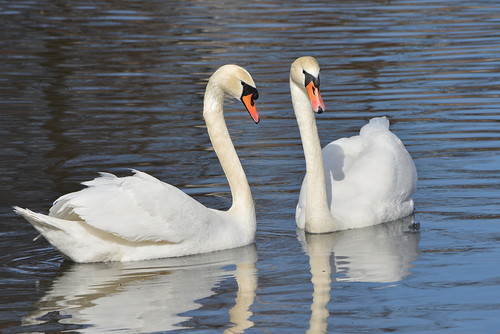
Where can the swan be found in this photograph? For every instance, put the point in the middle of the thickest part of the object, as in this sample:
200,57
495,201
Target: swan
139,217
352,182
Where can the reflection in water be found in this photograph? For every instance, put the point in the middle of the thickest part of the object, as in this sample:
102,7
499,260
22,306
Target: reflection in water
382,253
246,277
147,296
125,81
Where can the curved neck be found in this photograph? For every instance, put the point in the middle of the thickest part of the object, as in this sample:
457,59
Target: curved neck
224,149
318,218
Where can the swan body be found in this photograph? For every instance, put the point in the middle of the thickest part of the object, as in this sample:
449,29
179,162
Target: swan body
139,217
352,182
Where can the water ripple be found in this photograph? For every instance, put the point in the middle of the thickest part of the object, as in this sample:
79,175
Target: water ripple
104,86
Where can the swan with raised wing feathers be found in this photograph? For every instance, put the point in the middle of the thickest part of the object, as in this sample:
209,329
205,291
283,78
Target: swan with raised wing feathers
353,182
139,217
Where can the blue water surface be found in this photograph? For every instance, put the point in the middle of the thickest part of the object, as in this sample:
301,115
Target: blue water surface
91,86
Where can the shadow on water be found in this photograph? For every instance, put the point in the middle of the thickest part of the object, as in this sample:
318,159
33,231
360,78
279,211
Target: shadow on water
146,296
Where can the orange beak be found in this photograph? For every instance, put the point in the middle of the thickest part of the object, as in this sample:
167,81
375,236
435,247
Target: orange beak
315,97
249,103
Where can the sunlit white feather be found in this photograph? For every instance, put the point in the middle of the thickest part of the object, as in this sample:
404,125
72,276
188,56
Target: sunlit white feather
139,217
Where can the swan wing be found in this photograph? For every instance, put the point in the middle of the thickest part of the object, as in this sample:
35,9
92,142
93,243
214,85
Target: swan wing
371,173
136,208
376,158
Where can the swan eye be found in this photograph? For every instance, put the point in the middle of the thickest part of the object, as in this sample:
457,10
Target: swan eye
249,90
310,78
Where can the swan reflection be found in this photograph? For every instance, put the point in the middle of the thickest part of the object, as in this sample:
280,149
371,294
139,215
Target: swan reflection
382,253
148,296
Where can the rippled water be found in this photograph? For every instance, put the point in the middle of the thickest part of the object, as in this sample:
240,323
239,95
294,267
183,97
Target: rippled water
90,86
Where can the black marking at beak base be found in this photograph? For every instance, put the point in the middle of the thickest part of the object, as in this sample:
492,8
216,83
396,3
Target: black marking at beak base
309,78
247,90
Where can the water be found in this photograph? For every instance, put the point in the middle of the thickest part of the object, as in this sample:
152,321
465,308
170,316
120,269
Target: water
104,86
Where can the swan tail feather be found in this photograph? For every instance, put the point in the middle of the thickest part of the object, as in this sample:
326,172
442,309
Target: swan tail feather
38,220
381,122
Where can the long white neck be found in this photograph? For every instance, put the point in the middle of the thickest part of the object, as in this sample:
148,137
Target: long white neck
318,217
242,205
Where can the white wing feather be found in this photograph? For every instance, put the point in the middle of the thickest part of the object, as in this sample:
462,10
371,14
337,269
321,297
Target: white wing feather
136,208
369,178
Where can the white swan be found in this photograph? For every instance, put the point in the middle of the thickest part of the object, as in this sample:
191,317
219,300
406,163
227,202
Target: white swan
139,217
353,182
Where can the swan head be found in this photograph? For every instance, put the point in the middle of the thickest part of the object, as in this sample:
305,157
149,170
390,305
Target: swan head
304,72
238,83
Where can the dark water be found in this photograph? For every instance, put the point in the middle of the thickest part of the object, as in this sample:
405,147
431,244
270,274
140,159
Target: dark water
89,86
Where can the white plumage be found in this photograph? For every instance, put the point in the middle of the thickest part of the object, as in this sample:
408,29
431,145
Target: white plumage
139,217
352,182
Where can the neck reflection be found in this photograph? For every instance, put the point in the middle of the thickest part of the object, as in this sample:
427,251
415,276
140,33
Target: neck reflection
147,296
383,254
